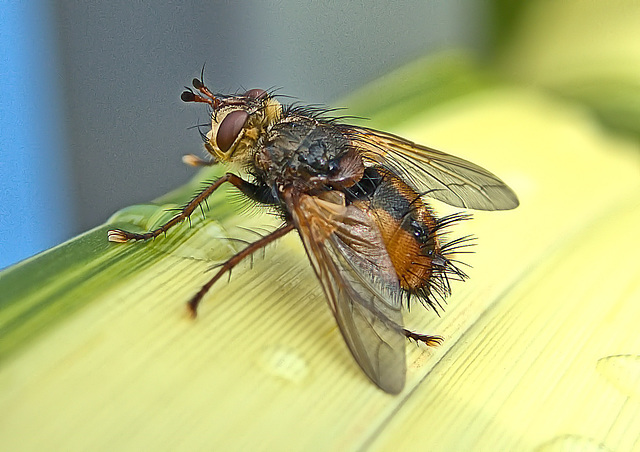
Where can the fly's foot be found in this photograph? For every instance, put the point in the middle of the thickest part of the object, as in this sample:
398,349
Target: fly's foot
431,341
120,236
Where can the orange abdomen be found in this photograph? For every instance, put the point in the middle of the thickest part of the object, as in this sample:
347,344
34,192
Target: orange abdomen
407,226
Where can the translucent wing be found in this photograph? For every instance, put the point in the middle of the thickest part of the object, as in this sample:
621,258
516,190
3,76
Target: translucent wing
439,175
350,260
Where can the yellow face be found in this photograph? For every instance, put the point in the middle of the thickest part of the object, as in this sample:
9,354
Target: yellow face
238,122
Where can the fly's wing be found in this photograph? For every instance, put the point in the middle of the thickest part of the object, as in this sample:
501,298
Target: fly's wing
350,260
439,175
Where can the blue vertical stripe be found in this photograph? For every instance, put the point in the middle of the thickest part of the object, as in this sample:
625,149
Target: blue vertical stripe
35,207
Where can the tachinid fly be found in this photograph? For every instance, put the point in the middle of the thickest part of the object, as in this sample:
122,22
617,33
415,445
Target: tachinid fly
357,198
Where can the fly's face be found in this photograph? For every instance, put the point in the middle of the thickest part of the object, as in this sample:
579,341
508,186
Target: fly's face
237,121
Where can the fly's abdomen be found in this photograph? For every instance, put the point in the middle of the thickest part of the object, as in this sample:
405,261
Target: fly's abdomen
406,223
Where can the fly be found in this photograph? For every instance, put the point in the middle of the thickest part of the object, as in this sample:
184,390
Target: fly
357,199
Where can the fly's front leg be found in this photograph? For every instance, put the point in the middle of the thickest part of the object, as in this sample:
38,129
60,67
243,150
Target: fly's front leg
120,236
235,260
194,160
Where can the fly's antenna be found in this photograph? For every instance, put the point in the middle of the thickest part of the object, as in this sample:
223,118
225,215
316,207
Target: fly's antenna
189,96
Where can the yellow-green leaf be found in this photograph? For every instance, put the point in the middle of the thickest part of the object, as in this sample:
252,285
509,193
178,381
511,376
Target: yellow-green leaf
98,352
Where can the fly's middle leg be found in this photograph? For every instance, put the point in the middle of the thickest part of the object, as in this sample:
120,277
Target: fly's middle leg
235,260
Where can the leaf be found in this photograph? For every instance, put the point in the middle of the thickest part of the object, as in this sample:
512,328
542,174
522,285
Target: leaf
98,352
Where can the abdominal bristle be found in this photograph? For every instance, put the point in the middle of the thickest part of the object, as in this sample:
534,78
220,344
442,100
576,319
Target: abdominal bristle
444,265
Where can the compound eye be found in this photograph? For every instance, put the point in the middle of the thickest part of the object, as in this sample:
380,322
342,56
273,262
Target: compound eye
255,93
230,128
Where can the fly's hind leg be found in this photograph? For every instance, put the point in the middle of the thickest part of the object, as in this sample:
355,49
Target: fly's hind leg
431,341
235,260
120,236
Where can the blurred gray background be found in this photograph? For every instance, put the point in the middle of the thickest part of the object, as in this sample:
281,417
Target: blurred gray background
114,72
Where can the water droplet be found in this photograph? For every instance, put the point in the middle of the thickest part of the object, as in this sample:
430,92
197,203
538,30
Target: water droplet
623,371
137,215
284,363
207,243
572,443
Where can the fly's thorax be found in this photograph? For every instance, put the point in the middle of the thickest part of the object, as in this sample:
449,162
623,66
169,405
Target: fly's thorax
308,154
238,124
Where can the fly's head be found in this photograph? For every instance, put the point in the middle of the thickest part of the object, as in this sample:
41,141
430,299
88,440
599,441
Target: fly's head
237,121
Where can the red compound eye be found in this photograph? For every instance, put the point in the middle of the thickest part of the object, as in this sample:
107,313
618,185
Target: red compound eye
255,93
230,128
